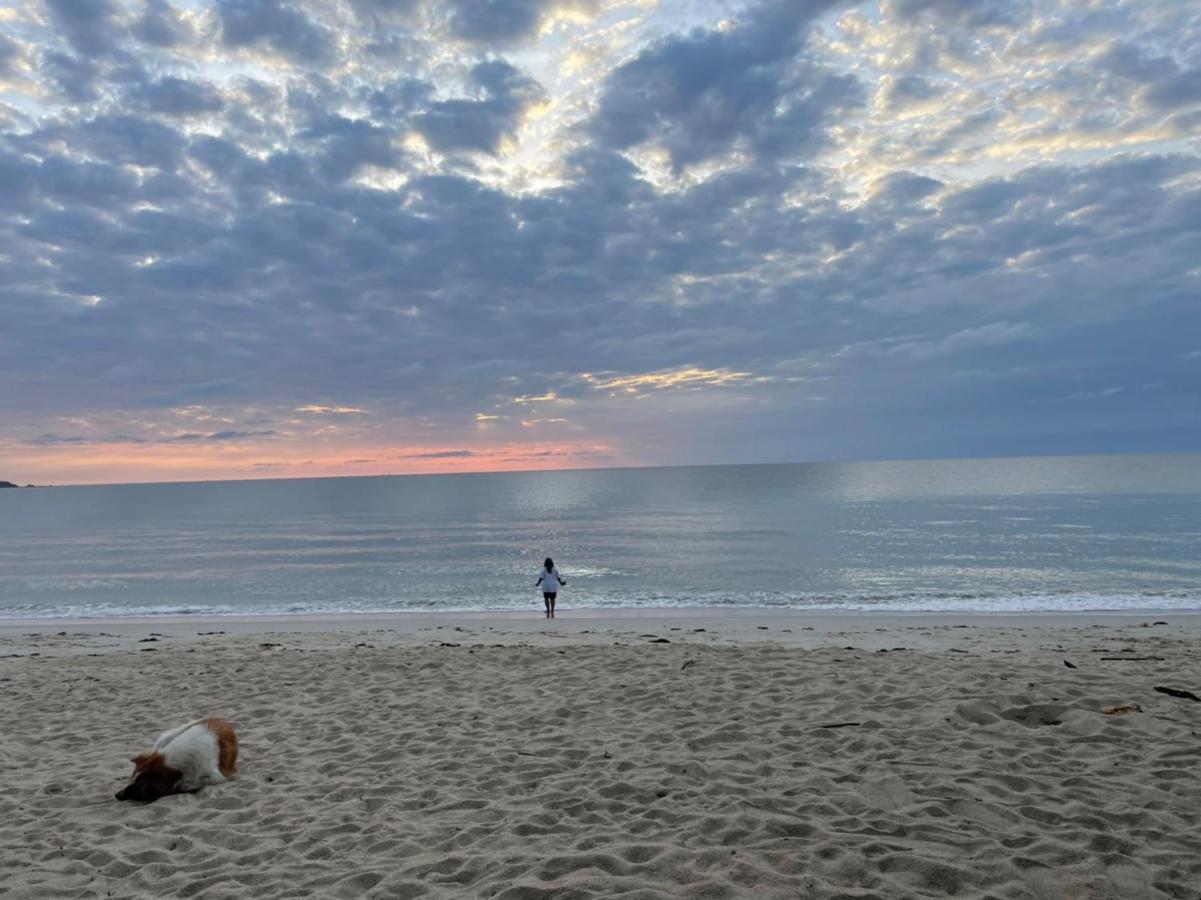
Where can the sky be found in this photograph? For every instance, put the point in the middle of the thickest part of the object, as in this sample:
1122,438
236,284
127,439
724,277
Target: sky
287,238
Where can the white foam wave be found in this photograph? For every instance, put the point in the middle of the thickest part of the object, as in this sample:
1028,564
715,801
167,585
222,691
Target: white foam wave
1040,602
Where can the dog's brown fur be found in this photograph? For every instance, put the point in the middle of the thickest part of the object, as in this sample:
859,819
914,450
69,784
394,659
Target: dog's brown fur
227,745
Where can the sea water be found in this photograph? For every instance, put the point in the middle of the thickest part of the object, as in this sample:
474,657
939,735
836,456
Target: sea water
1053,533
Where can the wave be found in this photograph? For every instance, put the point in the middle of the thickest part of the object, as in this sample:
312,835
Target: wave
911,602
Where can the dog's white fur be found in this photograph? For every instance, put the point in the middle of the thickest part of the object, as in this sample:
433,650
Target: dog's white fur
193,750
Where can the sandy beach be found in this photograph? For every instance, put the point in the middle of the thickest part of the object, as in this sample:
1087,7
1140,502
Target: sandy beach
602,755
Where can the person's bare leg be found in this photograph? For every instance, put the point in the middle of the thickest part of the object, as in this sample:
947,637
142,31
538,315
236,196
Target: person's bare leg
552,607
546,602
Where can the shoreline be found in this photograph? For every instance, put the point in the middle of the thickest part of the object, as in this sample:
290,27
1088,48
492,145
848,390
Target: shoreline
590,612
535,607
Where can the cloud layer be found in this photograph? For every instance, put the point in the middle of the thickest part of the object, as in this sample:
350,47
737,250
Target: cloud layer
286,237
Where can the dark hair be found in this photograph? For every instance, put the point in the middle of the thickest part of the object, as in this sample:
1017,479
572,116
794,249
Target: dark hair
549,564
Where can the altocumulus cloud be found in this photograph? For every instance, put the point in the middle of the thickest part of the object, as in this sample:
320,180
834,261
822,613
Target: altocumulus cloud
794,230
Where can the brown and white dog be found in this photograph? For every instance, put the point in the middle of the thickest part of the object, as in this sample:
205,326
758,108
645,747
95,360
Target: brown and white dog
183,760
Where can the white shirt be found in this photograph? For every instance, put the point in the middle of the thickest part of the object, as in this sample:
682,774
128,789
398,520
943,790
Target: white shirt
551,582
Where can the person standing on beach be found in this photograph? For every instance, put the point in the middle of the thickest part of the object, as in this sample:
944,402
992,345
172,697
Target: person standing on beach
550,581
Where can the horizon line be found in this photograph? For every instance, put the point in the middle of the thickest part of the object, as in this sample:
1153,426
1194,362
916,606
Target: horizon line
807,462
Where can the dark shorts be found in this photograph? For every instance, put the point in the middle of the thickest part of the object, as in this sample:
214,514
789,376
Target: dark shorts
549,595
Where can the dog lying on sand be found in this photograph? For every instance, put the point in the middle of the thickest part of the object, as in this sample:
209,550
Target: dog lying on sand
183,760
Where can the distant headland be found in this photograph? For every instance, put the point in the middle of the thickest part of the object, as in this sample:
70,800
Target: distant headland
4,484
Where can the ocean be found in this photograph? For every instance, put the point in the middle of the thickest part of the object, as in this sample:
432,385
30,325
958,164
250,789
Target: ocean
1032,534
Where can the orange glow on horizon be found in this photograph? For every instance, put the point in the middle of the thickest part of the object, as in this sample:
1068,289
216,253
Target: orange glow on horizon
123,464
